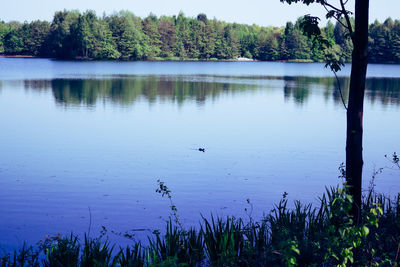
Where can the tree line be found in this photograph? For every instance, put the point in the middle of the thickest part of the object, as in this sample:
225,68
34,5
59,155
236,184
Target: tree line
124,36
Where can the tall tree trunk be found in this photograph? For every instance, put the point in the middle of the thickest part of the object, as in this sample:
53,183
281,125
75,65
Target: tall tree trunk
354,158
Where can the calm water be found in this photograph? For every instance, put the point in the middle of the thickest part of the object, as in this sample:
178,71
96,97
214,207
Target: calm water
98,135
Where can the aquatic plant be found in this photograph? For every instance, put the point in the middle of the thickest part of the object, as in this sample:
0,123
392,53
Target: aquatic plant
324,235
63,252
132,257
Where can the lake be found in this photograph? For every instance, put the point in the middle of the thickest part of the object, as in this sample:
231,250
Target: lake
84,143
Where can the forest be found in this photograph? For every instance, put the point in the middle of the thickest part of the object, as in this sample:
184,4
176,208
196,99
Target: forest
124,36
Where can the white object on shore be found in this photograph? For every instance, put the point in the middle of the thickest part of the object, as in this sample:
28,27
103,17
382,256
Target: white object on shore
244,59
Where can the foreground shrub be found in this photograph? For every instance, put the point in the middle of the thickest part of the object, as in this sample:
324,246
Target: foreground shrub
301,236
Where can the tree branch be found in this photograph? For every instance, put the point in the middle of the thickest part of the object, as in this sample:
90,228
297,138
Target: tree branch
331,6
341,23
346,16
340,90
342,11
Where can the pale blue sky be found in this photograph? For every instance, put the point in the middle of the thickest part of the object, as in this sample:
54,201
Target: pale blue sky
261,12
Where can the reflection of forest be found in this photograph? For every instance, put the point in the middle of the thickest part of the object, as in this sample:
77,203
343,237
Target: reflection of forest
127,90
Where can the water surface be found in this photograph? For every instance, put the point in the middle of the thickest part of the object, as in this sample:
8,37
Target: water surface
98,135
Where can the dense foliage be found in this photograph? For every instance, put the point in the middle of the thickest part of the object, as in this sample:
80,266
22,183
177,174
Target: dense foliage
124,36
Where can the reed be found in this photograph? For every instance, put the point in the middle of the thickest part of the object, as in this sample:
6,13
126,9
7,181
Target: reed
324,235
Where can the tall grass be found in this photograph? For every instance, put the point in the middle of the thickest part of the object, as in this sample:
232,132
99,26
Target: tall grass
63,252
304,235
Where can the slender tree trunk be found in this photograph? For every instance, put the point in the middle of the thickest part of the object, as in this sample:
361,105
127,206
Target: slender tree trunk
354,158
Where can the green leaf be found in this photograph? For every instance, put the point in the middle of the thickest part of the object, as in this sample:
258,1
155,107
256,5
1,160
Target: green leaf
365,231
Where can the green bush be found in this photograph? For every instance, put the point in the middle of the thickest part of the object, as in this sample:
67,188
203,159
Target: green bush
302,236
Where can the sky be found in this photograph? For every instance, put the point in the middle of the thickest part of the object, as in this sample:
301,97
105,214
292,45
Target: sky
261,12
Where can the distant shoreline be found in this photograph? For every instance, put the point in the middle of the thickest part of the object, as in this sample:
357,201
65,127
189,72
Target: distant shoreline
239,59
18,56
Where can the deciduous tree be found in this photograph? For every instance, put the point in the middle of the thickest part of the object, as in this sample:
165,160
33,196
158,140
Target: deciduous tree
355,110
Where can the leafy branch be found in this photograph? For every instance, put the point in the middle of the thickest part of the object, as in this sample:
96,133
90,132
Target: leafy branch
165,191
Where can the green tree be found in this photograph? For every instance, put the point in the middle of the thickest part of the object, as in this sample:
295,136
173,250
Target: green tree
205,36
296,43
87,27
168,38
359,37
329,32
4,29
128,36
396,42
95,37
248,39
268,47
62,40
36,38
150,29
342,38
13,43
382,37
232,41
221,46
106,47
184,45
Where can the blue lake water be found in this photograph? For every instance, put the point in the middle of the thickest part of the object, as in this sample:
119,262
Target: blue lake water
98,135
